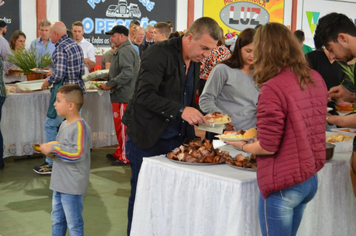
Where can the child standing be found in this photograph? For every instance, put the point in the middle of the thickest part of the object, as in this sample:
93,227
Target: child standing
71,163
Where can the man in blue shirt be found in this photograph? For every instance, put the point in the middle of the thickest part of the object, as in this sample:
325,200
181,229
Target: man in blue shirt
43,44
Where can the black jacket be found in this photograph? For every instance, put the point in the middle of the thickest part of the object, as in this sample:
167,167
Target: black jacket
158,91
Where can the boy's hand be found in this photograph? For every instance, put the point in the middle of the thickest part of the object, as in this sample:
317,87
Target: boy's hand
46,149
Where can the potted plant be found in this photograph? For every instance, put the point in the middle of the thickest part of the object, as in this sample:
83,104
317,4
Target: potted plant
27,60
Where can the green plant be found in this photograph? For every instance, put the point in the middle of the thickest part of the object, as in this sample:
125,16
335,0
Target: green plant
27,59
349,78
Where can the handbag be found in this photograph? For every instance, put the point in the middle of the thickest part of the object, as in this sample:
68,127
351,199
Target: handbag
51,113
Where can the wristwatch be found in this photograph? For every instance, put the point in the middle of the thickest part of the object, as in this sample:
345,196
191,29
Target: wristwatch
327,119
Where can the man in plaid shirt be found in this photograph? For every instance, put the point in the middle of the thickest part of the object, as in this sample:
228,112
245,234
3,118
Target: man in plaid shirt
68,65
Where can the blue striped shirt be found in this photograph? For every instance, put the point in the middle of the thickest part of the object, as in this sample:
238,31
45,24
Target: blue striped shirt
68,63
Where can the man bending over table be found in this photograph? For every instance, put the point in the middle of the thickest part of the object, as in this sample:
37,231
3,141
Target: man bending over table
338,34
163,101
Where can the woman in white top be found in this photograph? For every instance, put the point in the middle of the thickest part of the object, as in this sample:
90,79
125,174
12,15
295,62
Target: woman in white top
231,89
17,42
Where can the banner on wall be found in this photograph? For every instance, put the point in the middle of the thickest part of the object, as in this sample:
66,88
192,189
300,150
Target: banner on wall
10,13
237,15
99,16
313,10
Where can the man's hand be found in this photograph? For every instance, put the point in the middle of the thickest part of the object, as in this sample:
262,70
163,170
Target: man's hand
46,149
106,88
341,94
49,73
229,126
193,116
45,84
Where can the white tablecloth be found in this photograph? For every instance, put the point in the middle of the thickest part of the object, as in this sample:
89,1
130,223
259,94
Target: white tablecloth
24,115
175,199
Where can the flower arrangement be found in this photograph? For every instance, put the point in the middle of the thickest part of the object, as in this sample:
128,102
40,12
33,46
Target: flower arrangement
29,59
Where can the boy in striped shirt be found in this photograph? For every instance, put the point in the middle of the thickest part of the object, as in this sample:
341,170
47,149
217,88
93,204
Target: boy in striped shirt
71,162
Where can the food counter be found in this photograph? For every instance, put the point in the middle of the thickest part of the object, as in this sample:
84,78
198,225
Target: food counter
201,200
24,115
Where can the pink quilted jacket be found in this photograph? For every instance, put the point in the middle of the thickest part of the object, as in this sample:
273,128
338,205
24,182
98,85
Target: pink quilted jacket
291,123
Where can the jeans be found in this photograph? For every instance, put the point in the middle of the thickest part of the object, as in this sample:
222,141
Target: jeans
281,212
2,100
51,130
135,156
67,212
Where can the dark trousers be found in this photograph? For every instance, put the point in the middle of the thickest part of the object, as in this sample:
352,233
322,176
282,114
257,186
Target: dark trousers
135,156
2,100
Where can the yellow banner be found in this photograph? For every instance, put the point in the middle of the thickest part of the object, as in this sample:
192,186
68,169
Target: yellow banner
237,15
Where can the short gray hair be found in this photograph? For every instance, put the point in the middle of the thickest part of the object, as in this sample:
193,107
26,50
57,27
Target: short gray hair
205,25
149,27
44,23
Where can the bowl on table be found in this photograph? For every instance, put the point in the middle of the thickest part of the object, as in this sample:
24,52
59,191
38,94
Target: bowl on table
329,150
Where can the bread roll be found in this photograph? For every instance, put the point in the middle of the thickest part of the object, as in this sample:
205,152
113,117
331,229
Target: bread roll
251,133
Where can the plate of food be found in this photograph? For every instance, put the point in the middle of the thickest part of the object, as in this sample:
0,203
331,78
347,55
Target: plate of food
345,131
17,70
97,83
217,118
243,162
37,70
198,153
239,135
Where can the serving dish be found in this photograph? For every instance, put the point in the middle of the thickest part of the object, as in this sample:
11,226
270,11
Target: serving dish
345,131
345,146
193,164
41,71
242,168
32,85
329,150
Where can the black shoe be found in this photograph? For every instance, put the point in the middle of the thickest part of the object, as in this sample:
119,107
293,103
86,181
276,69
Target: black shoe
110,157
119,163
44,169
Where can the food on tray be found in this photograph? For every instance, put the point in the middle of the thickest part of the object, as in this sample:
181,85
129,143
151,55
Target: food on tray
198,152
217,118
16,70
348,130
38,70
243,161
338,138
97,83
344,107
238,135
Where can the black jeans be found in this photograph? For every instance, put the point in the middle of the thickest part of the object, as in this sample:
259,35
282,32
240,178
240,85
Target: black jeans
2,100
135,156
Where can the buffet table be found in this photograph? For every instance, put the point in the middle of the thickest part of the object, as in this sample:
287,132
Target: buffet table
24,115
177,199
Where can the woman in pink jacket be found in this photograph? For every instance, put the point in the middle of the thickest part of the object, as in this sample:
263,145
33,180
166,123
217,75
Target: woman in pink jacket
291,116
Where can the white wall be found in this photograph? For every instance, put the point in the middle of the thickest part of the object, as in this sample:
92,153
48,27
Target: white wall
28,22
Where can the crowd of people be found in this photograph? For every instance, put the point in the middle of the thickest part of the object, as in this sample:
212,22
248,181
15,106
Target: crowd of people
154,76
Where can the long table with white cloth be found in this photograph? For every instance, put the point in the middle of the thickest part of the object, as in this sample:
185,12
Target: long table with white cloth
198,200
24,116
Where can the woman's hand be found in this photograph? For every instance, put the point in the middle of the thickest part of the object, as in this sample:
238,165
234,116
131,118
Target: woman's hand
237,144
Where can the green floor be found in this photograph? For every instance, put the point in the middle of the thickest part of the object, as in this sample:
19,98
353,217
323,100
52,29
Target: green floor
25,198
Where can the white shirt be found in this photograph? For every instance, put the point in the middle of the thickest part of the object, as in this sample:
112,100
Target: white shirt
89,52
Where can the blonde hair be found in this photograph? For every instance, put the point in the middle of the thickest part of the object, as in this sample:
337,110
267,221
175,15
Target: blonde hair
275,48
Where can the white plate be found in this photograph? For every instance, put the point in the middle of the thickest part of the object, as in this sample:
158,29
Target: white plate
227,138
242,168
346,133
30,85
40,71
341,146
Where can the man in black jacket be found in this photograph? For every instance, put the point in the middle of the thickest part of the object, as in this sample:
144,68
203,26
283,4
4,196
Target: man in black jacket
163,101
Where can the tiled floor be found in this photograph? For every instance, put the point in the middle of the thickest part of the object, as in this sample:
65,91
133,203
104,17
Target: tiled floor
25,198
